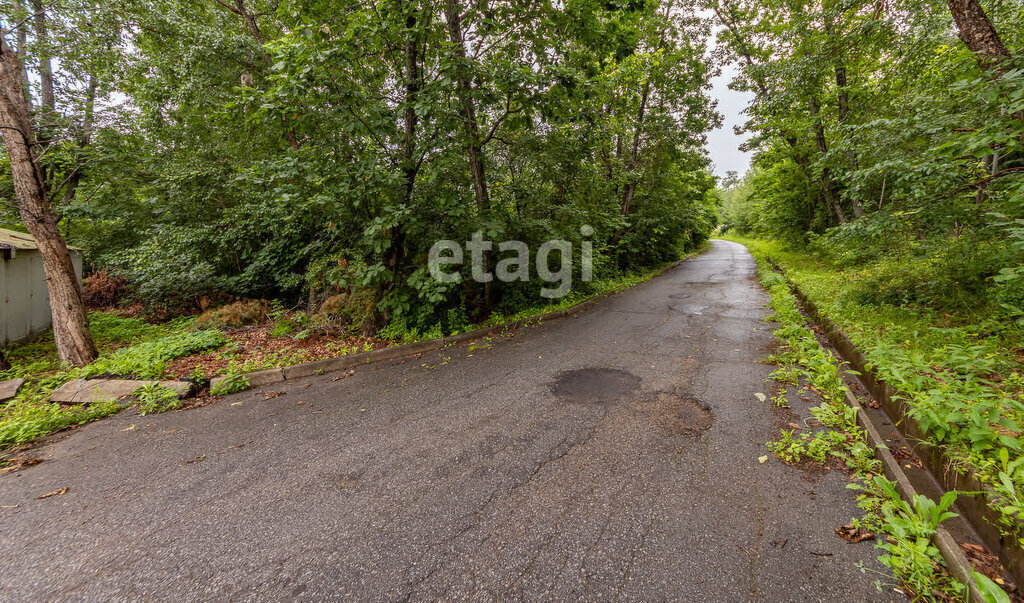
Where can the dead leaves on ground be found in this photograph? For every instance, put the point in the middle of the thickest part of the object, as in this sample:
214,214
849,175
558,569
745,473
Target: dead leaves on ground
852,534
19,464
60,492
987,563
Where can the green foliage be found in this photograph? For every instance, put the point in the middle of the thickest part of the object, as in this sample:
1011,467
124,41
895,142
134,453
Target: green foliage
22,422
232,383
148,360
294,161
908,550
154,398
961,381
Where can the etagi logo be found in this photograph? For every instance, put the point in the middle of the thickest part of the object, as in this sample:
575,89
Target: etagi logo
515,267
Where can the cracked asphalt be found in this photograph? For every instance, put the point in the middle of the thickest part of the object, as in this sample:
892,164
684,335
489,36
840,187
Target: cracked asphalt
610,456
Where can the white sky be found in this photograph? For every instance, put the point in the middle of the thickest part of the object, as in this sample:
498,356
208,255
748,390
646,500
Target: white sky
723,144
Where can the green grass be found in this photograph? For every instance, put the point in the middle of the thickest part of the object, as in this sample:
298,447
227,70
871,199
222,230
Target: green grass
960,375
128,346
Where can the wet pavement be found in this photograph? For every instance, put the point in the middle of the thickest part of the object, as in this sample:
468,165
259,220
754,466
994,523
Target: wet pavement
610,456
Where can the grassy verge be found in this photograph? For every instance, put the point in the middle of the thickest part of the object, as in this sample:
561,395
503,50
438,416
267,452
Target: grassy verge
906,529
961,376
131,347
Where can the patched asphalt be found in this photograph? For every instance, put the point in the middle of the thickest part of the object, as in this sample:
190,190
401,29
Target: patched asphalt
610,456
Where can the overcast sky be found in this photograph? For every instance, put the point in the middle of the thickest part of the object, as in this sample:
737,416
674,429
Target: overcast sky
723,144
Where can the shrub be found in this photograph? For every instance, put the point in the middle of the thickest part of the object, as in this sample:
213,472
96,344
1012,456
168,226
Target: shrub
103,289
241,313
284,327
353,309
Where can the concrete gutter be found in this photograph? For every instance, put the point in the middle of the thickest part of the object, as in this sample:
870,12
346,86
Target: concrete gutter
958,563
342,363
959,566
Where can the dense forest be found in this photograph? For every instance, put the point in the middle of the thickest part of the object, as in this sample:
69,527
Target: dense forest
209,150
882,138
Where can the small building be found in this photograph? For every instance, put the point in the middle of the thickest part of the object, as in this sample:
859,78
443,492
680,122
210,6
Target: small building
24,299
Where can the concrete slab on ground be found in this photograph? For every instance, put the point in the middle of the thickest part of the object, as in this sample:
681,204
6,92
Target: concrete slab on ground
79,391
9,388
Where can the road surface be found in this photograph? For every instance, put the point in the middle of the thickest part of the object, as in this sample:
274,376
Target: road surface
611,456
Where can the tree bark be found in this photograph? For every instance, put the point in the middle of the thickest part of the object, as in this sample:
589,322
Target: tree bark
844,112
20,49
464,90
70,321
410,74
627,196
48,100
977,32
828,185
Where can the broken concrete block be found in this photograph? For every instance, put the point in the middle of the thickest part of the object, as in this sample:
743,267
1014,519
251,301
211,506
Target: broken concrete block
9,388
79,391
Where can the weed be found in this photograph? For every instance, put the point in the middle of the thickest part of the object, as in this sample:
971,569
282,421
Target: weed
23,422
231,384
155,398
148,360
908,551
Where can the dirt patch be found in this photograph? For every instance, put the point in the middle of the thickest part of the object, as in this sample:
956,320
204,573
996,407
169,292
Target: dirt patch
680,415
594,385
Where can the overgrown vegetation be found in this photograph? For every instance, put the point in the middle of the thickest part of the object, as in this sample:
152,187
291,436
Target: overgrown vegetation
313,153
907,528
962,381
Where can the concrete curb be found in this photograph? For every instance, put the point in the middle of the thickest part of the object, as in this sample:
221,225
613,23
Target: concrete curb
342,363
958,563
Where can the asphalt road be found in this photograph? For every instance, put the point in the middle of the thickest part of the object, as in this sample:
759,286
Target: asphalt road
611,456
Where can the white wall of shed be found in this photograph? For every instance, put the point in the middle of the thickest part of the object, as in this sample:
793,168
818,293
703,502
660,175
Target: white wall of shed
26,302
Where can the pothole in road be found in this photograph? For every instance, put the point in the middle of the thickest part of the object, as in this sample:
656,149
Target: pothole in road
681,415
594,385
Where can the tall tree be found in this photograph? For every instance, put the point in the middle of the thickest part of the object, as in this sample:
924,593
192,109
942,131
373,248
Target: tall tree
977,32
70,322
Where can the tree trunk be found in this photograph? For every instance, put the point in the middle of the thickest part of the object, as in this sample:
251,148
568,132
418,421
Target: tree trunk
20,49
627,196
70,322
844,111
250,21
464,89
828,185
977,32
410,74
48,100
